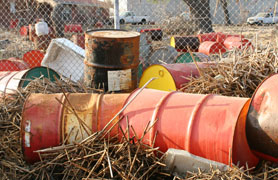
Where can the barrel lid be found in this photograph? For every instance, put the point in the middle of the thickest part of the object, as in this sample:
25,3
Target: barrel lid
164,81
37,72
262,118
113,34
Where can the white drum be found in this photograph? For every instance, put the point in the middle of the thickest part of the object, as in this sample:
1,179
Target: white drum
41,28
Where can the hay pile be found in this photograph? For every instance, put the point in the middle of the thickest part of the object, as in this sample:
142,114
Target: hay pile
239,77
95,157
107,158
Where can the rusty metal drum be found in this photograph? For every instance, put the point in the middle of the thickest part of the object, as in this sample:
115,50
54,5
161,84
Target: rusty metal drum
262,120
48,120
111,61
209,126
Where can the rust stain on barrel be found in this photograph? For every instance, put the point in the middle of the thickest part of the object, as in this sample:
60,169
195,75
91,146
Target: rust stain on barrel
78,117
105,48
111,50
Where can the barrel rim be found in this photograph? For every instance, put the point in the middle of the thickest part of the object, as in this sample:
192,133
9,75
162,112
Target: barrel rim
120,30
151,66
26,151
240,136
258,153
22,82
258,88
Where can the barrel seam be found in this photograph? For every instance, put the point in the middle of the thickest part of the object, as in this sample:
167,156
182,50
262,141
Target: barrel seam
192,119
86,62
98,106
155,114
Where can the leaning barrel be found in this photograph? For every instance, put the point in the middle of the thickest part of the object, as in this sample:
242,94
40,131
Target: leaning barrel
111,61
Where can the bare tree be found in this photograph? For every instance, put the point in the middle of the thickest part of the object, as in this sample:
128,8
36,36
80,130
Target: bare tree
200,11
224,5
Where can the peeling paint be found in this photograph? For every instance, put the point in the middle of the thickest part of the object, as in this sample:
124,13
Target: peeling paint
27,135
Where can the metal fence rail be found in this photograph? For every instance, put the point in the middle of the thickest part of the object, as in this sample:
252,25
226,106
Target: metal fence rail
169,28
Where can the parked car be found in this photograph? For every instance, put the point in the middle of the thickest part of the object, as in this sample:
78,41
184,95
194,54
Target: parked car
263,18
130,17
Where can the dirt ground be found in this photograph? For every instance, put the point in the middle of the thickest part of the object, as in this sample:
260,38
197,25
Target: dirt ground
15,45
260,36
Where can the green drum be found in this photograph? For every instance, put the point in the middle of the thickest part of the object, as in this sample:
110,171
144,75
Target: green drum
187,58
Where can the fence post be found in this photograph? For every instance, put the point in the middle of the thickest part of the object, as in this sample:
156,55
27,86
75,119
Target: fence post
116,15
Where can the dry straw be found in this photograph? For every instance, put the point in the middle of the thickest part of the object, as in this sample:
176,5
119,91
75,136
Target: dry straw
237,75
107,158
96,157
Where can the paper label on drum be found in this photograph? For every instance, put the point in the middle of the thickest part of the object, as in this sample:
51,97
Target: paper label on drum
119,80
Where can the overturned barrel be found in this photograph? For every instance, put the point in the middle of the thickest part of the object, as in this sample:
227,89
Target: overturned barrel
112,58
208,37
33,58
48,120
262,120
209,126
10,81
210,47
13,64
171,77
237,42
185,43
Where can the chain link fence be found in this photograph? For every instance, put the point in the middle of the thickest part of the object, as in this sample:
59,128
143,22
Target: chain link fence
170,30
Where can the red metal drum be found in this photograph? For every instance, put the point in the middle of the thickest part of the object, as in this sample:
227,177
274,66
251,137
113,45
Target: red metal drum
208,37
13,64
14,23
155,33
76,28
24,31
210,47
237,42
33,58
262,120
47,123
221,37
209,126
